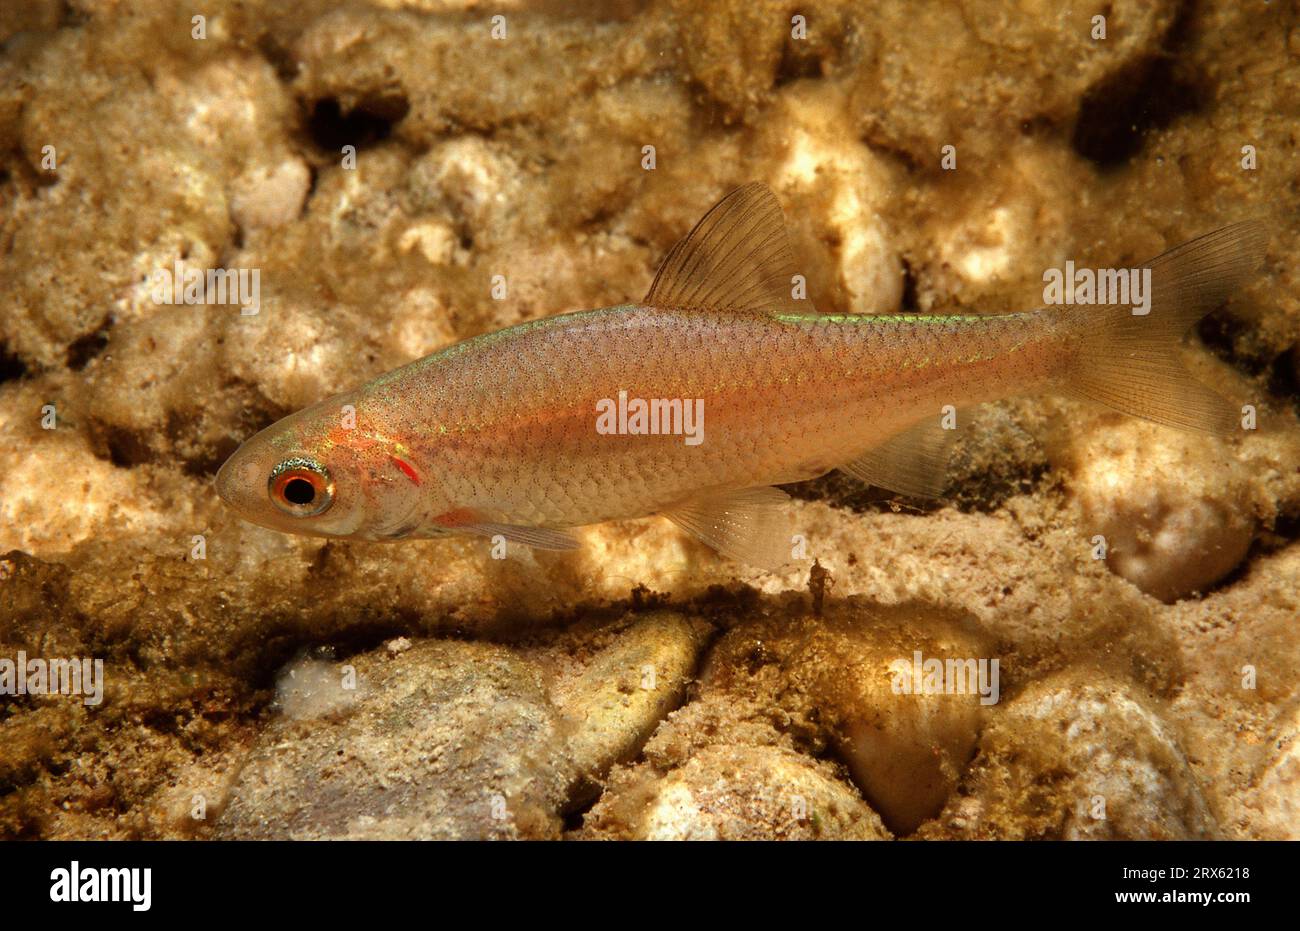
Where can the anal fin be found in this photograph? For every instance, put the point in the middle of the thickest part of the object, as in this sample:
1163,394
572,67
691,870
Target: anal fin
914,462
749,525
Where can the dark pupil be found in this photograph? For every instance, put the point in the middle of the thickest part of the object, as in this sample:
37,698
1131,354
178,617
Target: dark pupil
299,491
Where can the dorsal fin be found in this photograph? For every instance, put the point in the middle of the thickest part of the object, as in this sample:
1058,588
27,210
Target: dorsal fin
737,258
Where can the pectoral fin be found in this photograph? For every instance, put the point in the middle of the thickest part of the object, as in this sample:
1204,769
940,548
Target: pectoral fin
542,538
914,462
750,525
466,520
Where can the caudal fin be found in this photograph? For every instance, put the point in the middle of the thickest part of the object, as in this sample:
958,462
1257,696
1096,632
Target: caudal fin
1130,362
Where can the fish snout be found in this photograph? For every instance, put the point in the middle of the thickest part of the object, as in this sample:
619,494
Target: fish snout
240,481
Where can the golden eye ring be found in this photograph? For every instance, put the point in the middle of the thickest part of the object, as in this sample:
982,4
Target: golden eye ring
301,487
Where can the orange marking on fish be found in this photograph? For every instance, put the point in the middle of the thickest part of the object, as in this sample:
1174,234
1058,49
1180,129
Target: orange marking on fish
457,517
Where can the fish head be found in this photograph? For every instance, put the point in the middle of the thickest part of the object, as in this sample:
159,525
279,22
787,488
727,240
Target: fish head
312,473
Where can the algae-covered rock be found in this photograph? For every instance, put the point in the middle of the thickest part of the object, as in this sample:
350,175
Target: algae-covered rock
446,740
1079,757
442,739
616,700
904,727
736,793
1276,795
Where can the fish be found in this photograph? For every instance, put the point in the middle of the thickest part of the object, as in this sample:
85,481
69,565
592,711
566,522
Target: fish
695,403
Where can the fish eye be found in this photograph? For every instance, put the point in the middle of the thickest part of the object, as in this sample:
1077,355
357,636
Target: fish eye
301,487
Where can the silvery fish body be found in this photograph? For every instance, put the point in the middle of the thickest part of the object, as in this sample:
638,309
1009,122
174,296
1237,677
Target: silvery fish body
695,402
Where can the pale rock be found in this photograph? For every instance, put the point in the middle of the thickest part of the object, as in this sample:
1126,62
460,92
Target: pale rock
623,693
1172,506
267,196
737,793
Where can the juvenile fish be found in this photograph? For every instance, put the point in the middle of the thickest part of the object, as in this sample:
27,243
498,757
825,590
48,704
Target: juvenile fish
693,403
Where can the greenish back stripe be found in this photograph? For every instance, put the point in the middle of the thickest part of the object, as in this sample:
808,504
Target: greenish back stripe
904,319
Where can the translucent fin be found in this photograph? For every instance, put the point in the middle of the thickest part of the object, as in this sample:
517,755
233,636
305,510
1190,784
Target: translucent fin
750,526
542,538
914,462
1130,362
737,258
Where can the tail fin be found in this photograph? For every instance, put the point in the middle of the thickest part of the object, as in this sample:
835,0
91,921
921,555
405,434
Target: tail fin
1130,362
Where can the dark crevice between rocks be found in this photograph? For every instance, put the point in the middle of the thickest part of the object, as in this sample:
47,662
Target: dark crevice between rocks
260,660
126,448
200,457
278,57
986,491
206,465
17,171
1283,532
909,303
185,439
845,492
1116,114
1237,343
1229,338
884,146
71,15
11,367
1284,377
313,179
976,493
84,348
1287,525
597,220
798,61
573,820
370,121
